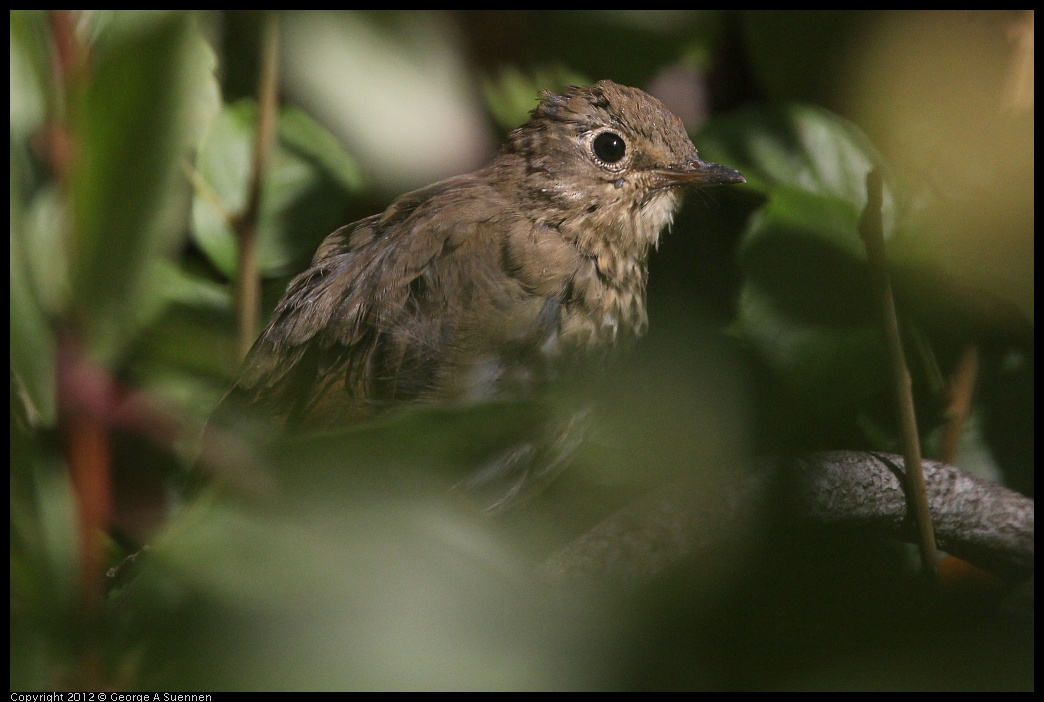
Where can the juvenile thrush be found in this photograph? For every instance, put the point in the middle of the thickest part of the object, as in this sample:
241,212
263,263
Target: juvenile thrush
487,285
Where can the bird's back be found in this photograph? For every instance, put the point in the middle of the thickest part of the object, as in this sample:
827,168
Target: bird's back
436,301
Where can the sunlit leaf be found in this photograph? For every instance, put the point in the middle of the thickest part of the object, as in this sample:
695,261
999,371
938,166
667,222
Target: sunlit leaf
802,147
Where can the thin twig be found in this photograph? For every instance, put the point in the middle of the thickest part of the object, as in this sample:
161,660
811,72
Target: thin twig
871,229
245,224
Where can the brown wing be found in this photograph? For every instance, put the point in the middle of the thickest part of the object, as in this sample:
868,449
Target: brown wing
425,302
450,294
321,359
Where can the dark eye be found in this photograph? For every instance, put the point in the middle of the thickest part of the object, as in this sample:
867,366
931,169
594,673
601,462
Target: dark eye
609,147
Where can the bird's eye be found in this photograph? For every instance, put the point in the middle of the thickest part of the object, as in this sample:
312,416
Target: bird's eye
609,147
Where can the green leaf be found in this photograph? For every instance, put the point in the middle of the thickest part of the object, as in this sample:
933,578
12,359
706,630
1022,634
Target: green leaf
32,345
32,339
803,251
128,193
44,534
43,255
802,147
38,278
188,352
512,94
305,185
806,303
29,73
359,592
828,373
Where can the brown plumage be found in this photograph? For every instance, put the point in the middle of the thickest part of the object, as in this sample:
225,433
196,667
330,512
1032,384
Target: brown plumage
486,285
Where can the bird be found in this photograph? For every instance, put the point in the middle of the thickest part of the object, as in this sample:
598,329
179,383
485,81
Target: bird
488,286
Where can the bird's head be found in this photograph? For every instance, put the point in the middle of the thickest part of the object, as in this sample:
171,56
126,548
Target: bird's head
614,156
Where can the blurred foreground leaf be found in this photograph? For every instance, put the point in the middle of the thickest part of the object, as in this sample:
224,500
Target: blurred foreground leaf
129,193
372,593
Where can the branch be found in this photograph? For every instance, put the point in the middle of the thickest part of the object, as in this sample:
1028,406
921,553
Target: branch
979,521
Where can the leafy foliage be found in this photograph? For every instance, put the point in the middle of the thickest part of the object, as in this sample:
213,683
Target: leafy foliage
349,561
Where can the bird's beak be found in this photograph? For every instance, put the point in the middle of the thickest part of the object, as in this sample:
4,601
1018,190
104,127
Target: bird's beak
698,174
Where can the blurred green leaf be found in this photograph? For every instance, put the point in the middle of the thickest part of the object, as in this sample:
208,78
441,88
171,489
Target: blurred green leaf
44,536
170,284
57,510
802,250
32,342
806,302
828,372
512,94
32,346
36,225
187,351
304,191
43,256
799,146
108,30
387,594
29,73
127,185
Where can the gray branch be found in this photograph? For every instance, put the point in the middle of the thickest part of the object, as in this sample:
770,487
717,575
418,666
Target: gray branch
981,522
